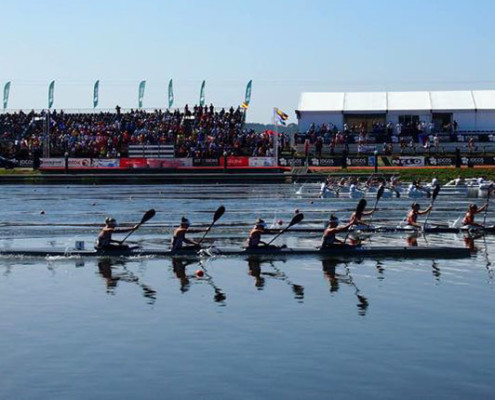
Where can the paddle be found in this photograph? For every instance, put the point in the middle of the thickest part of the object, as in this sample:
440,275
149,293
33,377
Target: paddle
359,210
433,198
490,188
146,217
295,220
220,211
379,195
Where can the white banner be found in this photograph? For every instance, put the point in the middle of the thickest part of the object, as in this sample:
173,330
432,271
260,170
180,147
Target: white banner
261,161
412,161
105,162
52,163
79,162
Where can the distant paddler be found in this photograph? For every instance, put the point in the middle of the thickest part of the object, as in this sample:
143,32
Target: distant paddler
329,235
357,216
105,241
468,220
179,238
412,216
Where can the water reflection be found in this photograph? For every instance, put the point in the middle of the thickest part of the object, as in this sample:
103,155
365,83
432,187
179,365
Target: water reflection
106,270
254,269
329,272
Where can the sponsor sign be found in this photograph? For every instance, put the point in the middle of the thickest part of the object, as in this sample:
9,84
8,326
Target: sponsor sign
169,163
325,162
358,161
78,162
236,161
408,161
105,163
291,162
440,161
133,163
261,161
26,163
52,163
205,162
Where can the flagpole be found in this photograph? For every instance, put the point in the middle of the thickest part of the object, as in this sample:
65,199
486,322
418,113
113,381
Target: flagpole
275,141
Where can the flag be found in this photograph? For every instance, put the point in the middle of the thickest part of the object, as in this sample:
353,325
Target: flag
6,91
279,116
142,85
247,97
51,89
202,94
170,94
95,94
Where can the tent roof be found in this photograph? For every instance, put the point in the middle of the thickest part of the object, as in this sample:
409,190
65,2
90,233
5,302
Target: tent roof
397,101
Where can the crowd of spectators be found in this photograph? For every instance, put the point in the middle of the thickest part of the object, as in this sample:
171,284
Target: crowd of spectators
198,132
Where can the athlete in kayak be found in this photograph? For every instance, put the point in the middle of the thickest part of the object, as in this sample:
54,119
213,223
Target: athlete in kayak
329,235
259,229
105,241
179,238
469,217
412,216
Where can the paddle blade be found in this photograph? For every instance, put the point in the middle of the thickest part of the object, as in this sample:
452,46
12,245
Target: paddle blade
380,191
435,192
148,215
220,211
296,219
361,206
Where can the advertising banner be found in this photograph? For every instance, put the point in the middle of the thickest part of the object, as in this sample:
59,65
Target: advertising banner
133,163
205,162
237,161
325,162
291,162
358,161
105,163
52,163
261,161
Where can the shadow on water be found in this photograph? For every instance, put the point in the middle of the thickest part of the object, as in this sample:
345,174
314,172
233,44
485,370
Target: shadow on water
329,272
254,269
106,269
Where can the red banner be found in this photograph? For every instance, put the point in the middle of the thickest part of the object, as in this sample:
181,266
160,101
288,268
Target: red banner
234,161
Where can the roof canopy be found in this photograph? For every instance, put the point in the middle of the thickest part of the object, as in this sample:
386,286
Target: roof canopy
398,101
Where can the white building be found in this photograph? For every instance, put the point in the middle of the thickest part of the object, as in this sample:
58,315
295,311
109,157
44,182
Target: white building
473,110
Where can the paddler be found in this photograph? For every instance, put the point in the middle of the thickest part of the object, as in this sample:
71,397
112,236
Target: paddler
259,229
105,241
469,217
357,216
329,235
179,237
412,216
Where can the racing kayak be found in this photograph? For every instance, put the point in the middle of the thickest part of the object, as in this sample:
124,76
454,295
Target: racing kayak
338,251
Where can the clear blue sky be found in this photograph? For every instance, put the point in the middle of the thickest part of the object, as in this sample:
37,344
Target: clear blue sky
286,47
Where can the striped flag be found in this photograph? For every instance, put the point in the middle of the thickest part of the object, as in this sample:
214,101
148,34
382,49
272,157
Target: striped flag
279,117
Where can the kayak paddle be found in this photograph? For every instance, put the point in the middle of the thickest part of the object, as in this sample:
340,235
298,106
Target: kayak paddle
218,214
490,188
295,220
379,195
433,198
146,217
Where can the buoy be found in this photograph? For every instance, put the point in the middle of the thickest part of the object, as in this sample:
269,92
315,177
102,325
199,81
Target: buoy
199,273
42,211
280,222
296,211
93,204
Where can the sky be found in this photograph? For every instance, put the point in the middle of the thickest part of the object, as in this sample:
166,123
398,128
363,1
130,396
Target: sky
285,47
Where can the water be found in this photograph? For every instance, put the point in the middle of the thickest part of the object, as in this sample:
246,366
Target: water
300,328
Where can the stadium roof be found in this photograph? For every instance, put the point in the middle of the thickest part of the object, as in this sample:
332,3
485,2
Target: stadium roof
397,101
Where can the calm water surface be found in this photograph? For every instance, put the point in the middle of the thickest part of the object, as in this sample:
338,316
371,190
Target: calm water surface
285,329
